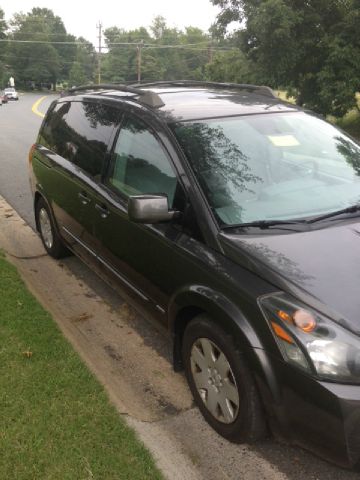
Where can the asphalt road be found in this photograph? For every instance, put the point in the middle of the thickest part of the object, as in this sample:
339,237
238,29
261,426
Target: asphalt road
217,459
18,131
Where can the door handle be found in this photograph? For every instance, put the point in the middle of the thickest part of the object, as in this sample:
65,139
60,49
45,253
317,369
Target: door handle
85,199
104,211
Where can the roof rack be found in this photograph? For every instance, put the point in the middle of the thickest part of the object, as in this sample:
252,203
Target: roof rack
262,90
151,99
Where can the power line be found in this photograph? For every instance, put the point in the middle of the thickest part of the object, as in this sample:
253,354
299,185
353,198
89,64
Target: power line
175,45
46,33
190,46
5,40
44,61
180,47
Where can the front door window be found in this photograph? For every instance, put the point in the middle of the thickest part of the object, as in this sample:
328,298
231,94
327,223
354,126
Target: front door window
140,164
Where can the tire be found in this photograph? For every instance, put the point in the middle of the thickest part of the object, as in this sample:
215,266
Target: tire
221,383
48,233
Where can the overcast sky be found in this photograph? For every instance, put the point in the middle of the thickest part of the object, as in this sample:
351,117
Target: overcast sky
80,18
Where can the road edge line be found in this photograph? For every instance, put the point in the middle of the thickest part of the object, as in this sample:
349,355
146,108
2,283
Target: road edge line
34,108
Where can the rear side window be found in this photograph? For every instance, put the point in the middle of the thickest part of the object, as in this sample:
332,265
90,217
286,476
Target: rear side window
80,132
52,130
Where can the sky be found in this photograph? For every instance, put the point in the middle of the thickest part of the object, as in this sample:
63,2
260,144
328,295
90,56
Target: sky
80,18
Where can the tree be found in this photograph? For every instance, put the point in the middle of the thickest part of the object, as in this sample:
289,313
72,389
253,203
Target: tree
166,53
38,62
3,28
84,64
169,56
42,52
230,66
311,46
199,54
77,75
182,53
120,63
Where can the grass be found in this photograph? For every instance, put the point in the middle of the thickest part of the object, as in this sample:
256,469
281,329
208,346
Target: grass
282,94
351,121
56,421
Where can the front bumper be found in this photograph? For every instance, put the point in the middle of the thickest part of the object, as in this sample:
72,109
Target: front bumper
322,417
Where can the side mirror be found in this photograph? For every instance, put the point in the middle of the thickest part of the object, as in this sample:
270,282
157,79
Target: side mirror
150,209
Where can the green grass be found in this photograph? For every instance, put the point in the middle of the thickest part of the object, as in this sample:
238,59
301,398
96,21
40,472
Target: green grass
351,121
282,94
56,421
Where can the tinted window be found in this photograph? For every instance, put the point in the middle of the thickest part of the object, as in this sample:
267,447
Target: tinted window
52,131
140,164
80,132
88,130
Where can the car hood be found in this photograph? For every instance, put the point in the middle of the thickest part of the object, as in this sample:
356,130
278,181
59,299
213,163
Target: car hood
320,267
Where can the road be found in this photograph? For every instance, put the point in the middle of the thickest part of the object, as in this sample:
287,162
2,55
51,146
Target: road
17,135
213,457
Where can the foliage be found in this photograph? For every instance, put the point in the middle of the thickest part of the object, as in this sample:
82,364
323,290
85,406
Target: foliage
351,121
166,53
230,66
38,62
313,47
3,28
42,52
77,75
120,64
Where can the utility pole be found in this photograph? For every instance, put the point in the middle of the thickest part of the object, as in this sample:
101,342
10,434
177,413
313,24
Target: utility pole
139,48
99,27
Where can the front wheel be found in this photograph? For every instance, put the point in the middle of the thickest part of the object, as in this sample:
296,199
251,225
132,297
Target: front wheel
222,385
49,236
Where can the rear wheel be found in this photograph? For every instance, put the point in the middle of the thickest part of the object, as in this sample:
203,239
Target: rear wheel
49,236
221,383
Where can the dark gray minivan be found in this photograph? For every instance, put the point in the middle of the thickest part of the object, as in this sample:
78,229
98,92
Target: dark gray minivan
233,218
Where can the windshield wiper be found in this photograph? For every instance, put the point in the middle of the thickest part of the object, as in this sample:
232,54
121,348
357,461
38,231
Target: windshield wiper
263,224
351,209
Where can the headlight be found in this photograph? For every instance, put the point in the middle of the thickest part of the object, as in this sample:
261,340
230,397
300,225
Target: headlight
311,341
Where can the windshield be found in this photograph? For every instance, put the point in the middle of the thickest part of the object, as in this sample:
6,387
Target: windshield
272,166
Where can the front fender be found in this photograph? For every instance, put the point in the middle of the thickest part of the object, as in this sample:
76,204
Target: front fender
200,298
220,309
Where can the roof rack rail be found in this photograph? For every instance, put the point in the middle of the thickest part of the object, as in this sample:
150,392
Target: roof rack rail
151,99
261,89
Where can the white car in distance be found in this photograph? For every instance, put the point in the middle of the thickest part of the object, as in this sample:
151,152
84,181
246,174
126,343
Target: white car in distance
11,93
